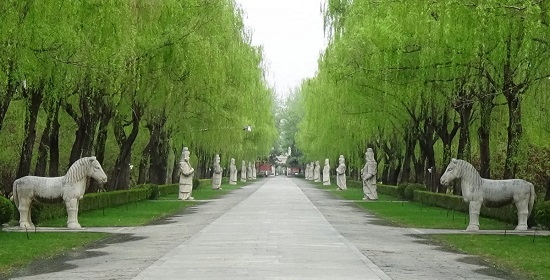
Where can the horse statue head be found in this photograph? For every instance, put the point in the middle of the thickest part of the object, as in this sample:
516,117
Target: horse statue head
86,167
96,171
451,173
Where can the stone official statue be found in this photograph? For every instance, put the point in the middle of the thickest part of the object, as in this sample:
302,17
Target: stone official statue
216,173
341,174
317,172
186,176
232,172
243,171
368,174
254,170
326,173
249,171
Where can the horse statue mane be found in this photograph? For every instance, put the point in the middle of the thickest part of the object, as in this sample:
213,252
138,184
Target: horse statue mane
70,188
469,174
491,193
77,171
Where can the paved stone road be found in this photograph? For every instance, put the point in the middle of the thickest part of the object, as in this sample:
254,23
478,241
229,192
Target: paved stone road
276,228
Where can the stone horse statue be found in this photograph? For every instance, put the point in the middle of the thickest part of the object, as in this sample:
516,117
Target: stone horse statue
70,188
490,193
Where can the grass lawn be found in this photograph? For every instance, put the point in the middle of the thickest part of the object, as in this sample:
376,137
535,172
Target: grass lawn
206,192
522,254
18,251
133,214
414,214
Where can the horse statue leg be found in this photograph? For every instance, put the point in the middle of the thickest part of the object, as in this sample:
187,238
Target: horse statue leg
523,213
72,213
474,216
24,208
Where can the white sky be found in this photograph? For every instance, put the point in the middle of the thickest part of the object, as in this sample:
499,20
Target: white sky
291,33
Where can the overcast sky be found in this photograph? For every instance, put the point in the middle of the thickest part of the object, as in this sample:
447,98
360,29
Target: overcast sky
291,33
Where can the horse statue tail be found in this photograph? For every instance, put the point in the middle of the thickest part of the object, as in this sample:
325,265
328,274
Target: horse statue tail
14,192
532,196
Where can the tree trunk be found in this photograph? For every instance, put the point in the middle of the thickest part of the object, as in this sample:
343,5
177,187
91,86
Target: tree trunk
410,144
484,134
203,166
419,167
102,133
464,148
447,139
42,159
144,166
394,175
34,100
159,160
385,172
175,170
11,89
87,121
105,116
547,194
76,150
122,171
158,154
515,132
54,144
427,149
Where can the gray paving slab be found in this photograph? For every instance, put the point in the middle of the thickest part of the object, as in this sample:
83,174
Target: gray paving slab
276,233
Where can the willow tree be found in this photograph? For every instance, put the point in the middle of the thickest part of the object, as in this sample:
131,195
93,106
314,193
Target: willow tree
424,65
202,81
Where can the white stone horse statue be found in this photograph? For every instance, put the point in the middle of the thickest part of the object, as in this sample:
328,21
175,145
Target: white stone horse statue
70,188
490,193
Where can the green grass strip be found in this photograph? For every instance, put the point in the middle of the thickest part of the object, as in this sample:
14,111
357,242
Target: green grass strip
206,192
133,214
414,214
526,255
18,251
143,212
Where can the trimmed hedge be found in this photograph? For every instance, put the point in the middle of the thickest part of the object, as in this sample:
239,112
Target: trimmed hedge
54,209
6,210
507,214
542,213
91,201
165,190
418,192
383,189
388,190
406,190
409,191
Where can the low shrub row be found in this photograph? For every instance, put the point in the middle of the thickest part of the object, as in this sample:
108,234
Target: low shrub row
542,213
91,201
388,190
44,210
406,190
418,192
507,213
6,210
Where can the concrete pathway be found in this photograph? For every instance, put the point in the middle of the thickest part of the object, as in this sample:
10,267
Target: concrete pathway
278,228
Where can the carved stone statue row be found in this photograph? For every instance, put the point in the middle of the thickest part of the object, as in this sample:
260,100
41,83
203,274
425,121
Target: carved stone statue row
187,172
368,174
